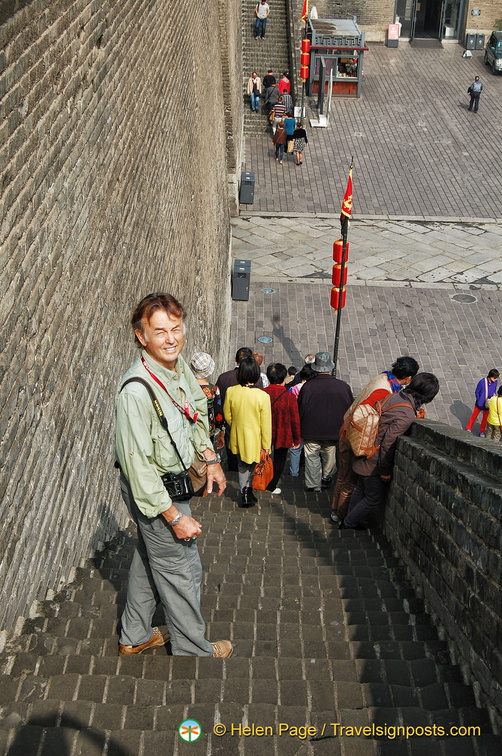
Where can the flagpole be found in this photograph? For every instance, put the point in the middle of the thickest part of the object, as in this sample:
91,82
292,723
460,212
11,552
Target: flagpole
344,223
304,19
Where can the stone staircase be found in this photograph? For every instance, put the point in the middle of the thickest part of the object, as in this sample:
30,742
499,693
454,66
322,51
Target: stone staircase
325,628
261,54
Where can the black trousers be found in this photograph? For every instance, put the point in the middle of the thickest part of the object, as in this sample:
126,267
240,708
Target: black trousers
474,102
367,496
279,458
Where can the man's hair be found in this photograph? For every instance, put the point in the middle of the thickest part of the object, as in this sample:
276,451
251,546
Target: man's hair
499,391
292,370
249,371
241,353
276,373
309,359
423,388
405,367
150,304
493,373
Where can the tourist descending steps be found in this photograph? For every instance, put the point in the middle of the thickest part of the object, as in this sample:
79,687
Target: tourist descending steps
285,420
161,416
271,96
300,140
254,91
322,402
247,412
261,12
279,140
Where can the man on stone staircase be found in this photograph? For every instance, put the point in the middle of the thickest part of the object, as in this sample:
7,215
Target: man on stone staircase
155,446
261,12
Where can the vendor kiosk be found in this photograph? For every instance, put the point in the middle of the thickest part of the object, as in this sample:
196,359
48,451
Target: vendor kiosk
336,47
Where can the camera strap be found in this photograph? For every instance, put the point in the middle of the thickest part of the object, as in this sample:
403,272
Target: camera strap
158,410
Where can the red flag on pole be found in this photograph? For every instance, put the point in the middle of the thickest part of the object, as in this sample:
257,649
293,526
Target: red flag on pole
305,11
347,199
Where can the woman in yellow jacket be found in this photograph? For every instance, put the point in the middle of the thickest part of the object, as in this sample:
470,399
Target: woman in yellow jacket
494,425
247,411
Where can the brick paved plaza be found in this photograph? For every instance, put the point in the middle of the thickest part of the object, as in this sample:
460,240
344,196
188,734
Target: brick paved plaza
417,150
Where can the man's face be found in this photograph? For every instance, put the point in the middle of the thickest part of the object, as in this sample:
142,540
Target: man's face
163,338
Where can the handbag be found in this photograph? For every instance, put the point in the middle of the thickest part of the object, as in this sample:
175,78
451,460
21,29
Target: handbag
196,473
291,146
263,472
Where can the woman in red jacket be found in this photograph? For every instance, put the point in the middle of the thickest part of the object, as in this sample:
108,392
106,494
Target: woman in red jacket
285,420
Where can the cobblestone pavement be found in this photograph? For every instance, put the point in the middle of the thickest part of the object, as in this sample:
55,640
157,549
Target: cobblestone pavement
417,150
386,252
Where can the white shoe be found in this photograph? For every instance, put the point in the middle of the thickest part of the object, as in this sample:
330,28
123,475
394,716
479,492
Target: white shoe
276,491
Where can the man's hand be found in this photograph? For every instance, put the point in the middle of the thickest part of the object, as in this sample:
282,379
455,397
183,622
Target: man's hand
386,478
420,413
186,528
296,447
215,474
220,441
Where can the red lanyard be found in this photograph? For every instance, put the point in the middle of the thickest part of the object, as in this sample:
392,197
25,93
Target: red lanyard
186,411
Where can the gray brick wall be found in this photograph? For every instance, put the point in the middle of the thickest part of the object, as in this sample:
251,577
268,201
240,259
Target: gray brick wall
115,151
444,518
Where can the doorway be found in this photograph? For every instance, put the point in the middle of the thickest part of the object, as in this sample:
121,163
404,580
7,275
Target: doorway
430,19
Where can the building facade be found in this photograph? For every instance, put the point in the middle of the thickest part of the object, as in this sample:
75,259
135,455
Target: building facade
446,20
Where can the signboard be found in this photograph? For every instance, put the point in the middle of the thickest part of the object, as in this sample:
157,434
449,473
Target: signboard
393,31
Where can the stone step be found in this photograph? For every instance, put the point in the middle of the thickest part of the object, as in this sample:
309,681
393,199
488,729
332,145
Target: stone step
89,729
269,640
155,664
36,695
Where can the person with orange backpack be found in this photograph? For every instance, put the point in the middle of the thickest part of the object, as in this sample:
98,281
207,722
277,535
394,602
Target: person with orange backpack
386,383
375,471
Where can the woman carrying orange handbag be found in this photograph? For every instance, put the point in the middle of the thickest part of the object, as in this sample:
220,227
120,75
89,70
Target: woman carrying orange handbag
247,411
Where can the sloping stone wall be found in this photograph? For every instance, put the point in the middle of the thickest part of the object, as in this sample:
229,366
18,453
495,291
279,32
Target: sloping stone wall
115,149
444,518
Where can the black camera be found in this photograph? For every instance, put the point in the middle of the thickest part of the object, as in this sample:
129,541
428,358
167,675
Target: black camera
178,485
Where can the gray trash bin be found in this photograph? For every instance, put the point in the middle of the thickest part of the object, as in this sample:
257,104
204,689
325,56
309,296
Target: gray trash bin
241,277
470,41
480,41
246,196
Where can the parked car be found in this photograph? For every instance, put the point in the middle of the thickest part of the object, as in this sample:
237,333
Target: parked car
493,52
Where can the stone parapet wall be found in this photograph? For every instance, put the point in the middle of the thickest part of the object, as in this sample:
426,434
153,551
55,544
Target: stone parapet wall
443,518
115,149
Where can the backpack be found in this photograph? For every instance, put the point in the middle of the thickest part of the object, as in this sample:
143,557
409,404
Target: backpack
362,426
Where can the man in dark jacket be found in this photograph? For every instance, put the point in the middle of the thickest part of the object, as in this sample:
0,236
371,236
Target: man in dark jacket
376,471
322,402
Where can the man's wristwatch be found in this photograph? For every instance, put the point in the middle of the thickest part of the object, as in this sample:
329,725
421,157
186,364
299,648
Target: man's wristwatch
176,519
215,461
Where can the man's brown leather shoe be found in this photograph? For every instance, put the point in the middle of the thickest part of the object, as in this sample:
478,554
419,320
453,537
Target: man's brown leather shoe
158,639
222,649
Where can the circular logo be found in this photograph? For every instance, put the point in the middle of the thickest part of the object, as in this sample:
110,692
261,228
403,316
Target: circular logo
265,339
190,730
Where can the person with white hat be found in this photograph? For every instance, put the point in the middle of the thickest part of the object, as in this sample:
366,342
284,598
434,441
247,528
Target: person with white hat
202,365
